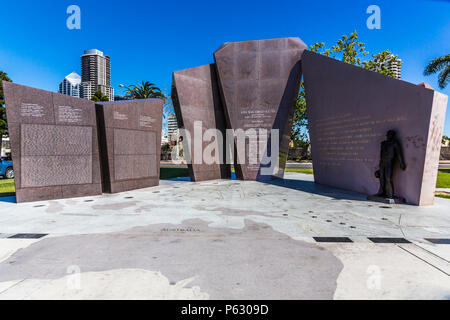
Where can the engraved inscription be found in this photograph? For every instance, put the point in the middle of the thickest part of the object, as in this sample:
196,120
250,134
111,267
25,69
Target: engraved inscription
42,171
120,116
49,140
346,137
146,121
32,110
55,155
256,119
70,114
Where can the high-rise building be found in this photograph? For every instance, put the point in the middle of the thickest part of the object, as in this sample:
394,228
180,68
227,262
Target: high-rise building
96,74
172,125
70,85
394,66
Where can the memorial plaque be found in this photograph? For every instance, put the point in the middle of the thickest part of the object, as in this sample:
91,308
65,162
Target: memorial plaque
54,144
259,82
130,143
350,109
196,100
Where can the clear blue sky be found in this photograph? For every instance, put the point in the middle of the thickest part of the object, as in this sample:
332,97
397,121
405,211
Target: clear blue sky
148,40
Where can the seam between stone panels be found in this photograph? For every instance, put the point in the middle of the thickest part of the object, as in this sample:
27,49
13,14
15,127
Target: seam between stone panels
429,263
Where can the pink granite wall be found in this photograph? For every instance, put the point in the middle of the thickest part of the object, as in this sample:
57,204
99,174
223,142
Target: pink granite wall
349,112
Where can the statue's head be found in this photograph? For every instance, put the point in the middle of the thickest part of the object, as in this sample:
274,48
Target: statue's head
390,135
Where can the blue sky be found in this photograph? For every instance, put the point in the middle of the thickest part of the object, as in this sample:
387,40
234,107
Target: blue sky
148,40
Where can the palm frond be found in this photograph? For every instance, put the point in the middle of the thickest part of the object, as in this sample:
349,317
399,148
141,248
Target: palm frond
444,77
437,64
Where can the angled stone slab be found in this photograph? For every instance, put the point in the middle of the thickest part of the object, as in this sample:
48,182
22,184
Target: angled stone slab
259,82
350,109
54,145
196,100
130,143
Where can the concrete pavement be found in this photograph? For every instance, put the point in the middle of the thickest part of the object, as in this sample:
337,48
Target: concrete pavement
225,239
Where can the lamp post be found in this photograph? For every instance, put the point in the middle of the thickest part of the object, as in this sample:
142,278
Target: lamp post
122,86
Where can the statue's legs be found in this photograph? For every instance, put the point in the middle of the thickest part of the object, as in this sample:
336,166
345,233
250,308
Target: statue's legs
389,187
382,190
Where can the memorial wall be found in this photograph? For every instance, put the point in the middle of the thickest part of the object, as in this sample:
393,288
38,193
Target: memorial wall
350,110
130,143
54,145
196,100
259,82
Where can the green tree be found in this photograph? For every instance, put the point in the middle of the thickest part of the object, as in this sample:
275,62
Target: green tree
99,97
382,62
144,90
441,65
349,50
3,123
445,139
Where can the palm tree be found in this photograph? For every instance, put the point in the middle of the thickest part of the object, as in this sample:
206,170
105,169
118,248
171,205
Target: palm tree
144,90
441,65
99,97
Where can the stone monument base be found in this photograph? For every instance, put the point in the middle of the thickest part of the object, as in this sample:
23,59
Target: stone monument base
395,200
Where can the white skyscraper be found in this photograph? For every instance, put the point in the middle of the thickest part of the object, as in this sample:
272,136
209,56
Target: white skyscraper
70,85
393,66
172,125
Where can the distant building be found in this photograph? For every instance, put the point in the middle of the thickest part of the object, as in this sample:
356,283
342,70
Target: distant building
394,66
172,125
95,74
70,85
6,147
118,97
164,138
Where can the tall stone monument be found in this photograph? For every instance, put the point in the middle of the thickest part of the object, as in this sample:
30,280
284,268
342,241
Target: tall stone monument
130,143
198,107
350,109
54,144
259,82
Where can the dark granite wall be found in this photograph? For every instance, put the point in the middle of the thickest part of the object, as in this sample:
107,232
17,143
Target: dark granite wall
130,141
350,110
196,97
259,82
54,144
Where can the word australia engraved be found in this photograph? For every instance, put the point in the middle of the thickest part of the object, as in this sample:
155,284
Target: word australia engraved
130,143
259,82
350,109
54,145
196,98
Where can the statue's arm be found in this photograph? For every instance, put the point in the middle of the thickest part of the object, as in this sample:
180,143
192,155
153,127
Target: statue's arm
399,152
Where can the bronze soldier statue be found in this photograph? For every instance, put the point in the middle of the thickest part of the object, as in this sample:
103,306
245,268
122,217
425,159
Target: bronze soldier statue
390,150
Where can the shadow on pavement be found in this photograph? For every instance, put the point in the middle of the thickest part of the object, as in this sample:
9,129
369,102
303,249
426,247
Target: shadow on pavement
315,188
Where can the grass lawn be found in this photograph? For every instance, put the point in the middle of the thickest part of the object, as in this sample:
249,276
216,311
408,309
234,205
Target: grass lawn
300,170
7,187
443,180
170,173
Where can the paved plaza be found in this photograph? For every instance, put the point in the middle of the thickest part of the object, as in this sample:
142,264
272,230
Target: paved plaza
225,239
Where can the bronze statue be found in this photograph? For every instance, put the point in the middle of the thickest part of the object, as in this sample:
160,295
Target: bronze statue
390,150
